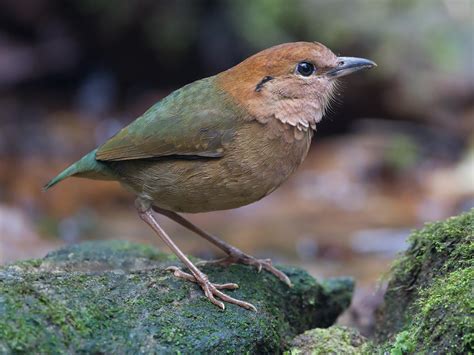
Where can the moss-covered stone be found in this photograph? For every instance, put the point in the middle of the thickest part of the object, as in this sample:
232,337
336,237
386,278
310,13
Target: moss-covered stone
334,340
429,302
115,297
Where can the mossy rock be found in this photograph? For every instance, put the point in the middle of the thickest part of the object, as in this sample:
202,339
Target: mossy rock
429,302
334,340
116,297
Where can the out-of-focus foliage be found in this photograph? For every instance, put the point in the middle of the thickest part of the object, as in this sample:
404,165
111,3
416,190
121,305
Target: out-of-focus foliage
426,45
424,48
425,36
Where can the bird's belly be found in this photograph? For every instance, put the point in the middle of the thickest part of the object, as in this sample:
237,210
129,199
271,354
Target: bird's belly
244,175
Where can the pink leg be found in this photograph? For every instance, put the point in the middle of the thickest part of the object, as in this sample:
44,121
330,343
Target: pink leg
234,255
211,290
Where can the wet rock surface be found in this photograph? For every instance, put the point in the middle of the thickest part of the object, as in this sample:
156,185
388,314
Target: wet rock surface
116,297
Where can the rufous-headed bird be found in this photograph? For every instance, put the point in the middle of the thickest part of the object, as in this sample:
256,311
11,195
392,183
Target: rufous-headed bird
222,142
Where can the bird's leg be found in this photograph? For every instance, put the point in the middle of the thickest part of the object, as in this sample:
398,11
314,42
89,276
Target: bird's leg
234,255
210,289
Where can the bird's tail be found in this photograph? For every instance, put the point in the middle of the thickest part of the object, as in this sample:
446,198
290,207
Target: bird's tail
87,167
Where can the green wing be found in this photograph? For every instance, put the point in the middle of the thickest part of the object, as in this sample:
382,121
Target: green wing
196,120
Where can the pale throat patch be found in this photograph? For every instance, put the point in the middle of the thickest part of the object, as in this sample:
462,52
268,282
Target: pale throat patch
303,113
300,113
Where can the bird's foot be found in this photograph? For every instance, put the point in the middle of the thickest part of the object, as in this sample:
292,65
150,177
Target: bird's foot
211,290
238,257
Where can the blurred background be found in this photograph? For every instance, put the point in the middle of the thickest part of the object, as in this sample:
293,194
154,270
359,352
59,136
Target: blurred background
395,151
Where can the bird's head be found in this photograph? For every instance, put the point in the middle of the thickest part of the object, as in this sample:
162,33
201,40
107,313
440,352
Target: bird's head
293,82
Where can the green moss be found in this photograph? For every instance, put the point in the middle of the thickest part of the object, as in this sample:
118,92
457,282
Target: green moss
429,305
404,343
442,245
113,253
445,313
444,320
111,297
333,340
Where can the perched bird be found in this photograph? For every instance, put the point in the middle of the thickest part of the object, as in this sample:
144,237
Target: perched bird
222,142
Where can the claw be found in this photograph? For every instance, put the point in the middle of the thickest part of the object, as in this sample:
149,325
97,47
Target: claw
211,290
173,268
239,257
228,286
181,274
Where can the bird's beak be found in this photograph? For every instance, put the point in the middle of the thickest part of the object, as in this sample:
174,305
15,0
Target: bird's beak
349,65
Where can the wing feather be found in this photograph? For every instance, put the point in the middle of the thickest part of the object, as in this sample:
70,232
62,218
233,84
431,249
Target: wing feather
196,120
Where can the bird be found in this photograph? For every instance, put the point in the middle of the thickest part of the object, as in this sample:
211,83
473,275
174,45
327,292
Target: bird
219,143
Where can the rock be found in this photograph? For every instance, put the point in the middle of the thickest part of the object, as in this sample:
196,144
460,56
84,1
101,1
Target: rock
334,340
116,297
428,305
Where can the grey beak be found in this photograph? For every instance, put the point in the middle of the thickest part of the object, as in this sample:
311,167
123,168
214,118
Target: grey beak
349,65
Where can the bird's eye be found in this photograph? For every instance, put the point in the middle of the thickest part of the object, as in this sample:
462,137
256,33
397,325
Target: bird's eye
305,68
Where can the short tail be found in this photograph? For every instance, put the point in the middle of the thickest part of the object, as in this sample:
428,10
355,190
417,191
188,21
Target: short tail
87,166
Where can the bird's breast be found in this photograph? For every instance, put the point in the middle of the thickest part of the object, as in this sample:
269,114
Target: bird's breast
260,158
266,155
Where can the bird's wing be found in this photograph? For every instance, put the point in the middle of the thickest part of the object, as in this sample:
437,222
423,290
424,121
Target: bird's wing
192,122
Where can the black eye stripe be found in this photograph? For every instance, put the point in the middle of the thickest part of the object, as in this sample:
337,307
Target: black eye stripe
262,82
305,68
